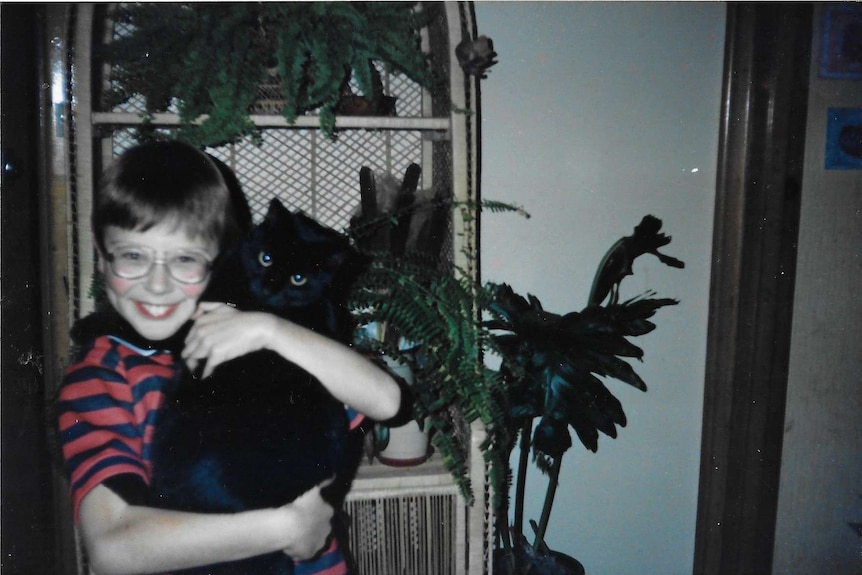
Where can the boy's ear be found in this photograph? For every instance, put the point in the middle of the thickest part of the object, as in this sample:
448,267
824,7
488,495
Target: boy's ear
100,257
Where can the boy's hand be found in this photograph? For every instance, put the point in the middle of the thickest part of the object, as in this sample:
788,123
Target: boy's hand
309,523
221,333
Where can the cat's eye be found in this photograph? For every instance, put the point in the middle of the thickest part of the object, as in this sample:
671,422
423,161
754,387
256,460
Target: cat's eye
265,259
298,279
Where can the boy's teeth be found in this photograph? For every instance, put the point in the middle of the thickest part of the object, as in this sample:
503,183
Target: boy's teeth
156,310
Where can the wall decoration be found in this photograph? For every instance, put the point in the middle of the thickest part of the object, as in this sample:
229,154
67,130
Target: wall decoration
844,139
841,42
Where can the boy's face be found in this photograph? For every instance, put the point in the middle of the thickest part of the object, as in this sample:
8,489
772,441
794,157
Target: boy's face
156,305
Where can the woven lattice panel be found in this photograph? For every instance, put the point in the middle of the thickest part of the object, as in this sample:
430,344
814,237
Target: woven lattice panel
404,534
310,173
307,171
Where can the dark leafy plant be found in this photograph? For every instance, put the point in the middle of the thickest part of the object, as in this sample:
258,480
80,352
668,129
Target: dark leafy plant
209,58
553,365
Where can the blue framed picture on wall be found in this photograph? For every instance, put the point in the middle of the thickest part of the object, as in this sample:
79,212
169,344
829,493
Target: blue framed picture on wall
844,139
841,47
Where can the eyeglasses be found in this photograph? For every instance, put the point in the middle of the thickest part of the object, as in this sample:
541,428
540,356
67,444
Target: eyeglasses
134,262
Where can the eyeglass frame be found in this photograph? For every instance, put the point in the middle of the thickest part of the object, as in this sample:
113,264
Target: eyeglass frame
110,257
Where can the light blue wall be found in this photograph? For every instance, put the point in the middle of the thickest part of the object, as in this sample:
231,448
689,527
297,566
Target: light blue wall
597,114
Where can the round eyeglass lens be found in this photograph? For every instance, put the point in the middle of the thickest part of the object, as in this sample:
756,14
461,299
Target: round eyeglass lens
188,267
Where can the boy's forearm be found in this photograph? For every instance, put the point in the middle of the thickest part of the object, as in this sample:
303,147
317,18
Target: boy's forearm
221,333
123,539
349,376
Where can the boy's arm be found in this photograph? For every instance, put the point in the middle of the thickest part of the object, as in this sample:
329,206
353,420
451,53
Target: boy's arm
221,333
122,538
348,375
98,423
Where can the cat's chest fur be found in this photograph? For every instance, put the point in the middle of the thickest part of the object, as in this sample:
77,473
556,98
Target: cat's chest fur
261,431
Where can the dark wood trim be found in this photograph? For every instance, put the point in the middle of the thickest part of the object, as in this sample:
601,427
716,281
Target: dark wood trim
763,117
32,487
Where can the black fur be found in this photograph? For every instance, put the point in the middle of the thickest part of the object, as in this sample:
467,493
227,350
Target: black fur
261,431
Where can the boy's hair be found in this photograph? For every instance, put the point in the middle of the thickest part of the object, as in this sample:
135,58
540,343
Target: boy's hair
165,182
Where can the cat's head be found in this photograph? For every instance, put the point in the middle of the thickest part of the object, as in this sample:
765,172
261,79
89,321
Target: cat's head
293,261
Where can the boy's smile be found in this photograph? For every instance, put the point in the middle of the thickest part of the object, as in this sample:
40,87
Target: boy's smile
156,305
156,311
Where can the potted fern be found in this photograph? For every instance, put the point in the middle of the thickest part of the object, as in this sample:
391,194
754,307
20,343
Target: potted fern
413,294
211,60
437,311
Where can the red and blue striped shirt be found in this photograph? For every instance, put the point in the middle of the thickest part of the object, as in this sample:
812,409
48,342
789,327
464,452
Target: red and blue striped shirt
107,408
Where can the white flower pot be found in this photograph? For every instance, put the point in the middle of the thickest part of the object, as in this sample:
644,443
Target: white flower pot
408,444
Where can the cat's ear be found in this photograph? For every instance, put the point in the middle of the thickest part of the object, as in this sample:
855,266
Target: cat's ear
276,212
337,259
349,262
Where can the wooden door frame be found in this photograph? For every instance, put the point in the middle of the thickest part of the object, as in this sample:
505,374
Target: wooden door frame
758,190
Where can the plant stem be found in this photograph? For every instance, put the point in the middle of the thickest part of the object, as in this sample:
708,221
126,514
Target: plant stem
553,478
521,483
503,533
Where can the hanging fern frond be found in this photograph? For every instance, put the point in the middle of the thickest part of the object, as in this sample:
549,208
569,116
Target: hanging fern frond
437,312
210,58
438,309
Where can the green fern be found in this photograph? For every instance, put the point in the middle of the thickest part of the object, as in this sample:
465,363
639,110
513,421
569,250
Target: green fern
437,311
210,58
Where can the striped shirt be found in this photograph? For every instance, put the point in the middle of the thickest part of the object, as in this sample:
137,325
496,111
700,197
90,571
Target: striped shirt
107,407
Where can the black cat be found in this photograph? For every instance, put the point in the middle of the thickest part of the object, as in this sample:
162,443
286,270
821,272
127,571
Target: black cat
260,431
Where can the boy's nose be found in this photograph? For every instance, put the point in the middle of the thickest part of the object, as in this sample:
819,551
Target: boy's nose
158,280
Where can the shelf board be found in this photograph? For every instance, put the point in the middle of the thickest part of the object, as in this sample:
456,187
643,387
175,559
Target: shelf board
440,124
376,479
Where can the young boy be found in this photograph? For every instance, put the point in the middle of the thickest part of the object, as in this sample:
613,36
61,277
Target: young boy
160,216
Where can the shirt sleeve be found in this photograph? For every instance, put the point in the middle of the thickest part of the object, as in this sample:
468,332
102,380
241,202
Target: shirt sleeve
98,431
331,562
354,418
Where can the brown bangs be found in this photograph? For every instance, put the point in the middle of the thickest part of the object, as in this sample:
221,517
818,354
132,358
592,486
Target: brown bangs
167,182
